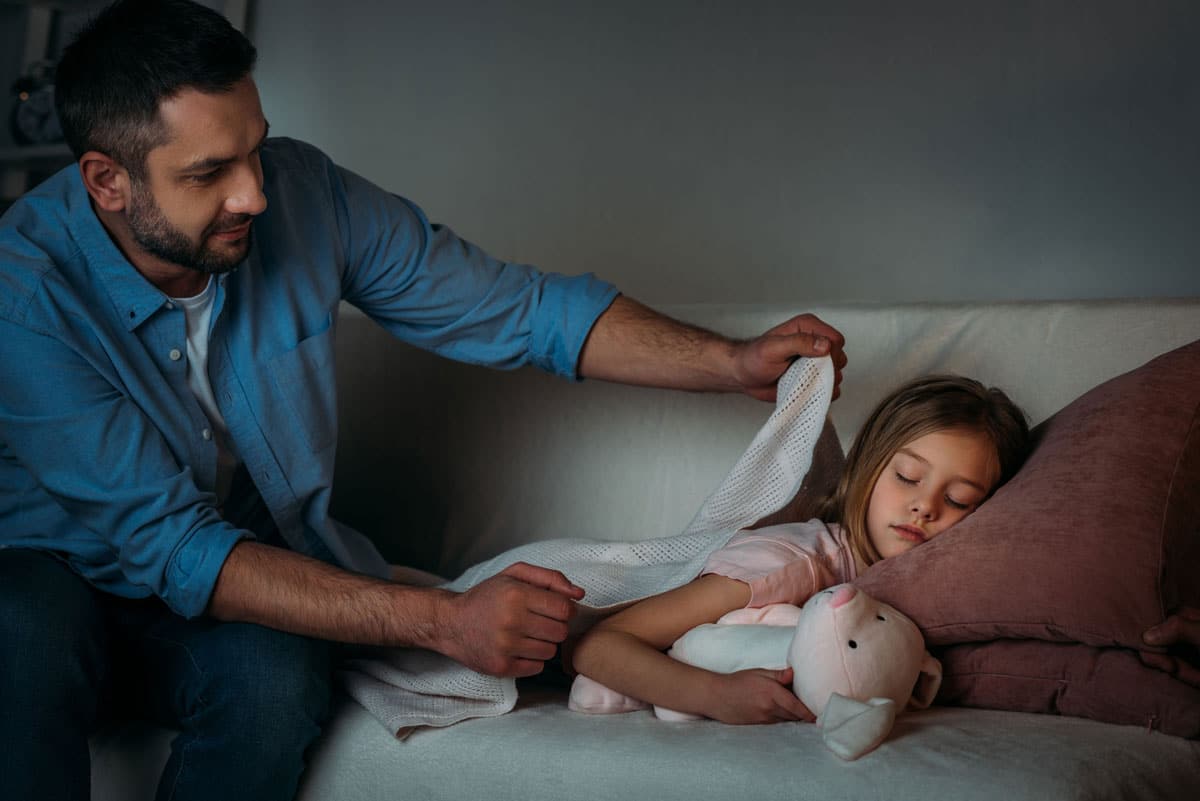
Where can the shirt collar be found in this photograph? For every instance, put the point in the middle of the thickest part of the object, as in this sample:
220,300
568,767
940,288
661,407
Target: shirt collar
134,299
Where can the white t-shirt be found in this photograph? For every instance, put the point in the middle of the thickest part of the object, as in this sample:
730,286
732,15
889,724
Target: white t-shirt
198,311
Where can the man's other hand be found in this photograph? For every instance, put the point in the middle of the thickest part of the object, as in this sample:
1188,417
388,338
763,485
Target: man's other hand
510,624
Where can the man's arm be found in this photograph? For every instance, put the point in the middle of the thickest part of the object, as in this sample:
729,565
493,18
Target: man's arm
633,344
507,625
435,290
101,458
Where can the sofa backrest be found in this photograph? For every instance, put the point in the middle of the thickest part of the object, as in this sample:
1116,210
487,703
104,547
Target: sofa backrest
445,464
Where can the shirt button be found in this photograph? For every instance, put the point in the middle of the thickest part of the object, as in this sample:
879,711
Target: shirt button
206,433
175,354
170,305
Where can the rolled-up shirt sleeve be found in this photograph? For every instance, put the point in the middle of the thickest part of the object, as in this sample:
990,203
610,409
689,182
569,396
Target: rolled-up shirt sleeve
94,452
438,291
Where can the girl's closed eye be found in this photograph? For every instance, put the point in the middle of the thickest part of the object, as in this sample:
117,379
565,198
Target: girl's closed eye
950,501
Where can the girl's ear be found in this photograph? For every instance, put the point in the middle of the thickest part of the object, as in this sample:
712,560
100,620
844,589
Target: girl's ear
107,182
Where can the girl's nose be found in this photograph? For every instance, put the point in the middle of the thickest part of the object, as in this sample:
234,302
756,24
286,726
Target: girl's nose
922,507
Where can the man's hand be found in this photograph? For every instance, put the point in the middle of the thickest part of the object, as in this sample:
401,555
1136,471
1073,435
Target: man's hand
758,696
510,624
760,362
1181,628
634,344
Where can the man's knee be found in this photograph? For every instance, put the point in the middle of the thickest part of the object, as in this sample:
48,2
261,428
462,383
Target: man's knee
256,700
271,686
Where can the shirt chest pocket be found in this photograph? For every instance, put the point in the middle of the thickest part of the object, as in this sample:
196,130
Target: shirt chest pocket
304,379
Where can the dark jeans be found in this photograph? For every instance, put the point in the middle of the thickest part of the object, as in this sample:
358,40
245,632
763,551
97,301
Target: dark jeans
249,700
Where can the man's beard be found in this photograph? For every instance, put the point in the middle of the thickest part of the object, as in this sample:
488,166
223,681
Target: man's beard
157,236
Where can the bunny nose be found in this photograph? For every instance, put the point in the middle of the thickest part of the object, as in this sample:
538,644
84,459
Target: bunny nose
842,595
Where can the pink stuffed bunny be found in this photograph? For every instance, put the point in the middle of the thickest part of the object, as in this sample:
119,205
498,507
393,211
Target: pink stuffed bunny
857,663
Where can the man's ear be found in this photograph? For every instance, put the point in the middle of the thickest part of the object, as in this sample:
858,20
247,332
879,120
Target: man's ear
106,181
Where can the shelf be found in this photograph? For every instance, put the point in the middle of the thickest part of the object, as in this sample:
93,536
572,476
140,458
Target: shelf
34,157
22,166
59,5
235,10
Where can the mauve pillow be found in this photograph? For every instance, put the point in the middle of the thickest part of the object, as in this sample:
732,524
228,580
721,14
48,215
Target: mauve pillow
1106,684
1094,540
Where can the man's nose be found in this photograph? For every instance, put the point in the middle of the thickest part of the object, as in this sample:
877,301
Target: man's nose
247,197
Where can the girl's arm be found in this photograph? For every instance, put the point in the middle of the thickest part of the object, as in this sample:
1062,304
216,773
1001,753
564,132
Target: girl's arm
625,653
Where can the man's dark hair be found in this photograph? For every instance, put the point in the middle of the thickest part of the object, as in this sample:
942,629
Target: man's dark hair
131,57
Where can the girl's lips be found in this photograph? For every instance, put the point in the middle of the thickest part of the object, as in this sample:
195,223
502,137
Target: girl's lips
910,533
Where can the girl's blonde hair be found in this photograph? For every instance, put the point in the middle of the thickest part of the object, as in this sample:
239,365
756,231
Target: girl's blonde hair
920,407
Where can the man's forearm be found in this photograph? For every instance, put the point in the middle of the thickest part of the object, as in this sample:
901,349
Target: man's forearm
284,590
633,344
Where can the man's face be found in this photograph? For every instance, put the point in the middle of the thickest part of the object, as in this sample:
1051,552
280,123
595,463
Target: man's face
155,233
202,188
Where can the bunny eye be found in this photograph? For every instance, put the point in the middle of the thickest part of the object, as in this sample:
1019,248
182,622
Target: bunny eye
881,617
853,644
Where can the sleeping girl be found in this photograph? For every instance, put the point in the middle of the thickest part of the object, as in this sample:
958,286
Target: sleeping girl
929,454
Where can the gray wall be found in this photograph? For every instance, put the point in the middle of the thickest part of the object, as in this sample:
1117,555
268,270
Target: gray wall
805,152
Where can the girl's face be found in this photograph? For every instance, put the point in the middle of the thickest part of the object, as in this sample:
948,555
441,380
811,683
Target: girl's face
930,484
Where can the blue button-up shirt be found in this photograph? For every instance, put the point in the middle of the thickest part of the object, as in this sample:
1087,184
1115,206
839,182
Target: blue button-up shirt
103,457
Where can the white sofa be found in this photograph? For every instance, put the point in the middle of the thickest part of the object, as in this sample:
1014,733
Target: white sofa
446,465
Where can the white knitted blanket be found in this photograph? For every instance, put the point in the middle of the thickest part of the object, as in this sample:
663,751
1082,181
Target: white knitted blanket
406,687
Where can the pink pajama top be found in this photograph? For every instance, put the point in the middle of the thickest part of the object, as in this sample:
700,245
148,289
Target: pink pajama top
786,563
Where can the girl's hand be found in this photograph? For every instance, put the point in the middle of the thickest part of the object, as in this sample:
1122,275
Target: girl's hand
757,696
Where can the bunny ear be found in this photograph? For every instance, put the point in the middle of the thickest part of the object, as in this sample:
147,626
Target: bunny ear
852,728
928,683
